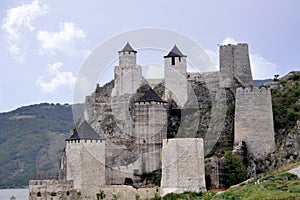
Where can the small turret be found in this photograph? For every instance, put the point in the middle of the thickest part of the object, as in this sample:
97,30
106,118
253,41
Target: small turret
127,56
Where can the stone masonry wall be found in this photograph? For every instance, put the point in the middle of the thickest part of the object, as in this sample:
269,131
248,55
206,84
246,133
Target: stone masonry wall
86,163
254,121
51,189
182,165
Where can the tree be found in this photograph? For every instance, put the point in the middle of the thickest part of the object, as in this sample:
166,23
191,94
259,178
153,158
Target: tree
235,170
100,195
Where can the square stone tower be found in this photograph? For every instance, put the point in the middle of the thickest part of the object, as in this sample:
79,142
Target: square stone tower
182,165
85,156
235,66
254,121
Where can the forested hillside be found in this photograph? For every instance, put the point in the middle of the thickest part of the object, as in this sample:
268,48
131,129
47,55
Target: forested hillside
32,139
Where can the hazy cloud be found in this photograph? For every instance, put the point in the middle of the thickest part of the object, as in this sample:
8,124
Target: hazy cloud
55,78
262,68
153,71
18,18
64,40
228,40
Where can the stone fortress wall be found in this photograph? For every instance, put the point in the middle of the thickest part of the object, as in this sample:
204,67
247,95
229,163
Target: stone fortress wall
51,189
86,163
253,124
254,121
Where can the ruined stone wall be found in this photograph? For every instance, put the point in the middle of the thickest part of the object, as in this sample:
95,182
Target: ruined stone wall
235,65
182,165
86,163
51,189
176,80
254,121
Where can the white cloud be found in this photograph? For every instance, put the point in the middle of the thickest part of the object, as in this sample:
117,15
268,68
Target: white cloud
262,68
228,40
153,71
56,78
18,18
64,40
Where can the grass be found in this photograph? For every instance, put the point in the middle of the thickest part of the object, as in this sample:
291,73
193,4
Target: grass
276,184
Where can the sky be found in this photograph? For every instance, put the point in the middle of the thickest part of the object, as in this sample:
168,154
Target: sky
44,43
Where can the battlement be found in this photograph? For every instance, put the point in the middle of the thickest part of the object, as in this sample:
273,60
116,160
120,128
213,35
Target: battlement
51,182
253,90
127,58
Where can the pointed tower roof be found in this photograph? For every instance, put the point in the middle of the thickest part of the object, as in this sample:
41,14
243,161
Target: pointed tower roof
175,52
150,95
84,131
128,48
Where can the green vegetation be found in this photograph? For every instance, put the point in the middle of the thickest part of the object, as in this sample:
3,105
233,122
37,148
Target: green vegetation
24,132
277,184
152,178
281,186
235,169
286,105
100,195
114,197
187,195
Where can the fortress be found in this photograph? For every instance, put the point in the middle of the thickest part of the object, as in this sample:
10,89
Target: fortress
133,127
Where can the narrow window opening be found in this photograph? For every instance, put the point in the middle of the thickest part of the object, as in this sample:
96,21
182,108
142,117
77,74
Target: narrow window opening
173,61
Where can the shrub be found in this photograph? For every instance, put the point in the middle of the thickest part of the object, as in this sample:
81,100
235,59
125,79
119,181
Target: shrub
235,170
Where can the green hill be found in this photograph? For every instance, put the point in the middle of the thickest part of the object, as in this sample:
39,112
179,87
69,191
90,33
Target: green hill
32,139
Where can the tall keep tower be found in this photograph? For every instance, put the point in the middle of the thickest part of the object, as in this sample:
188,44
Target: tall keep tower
128,75
235,66
150,118
176,76
85,154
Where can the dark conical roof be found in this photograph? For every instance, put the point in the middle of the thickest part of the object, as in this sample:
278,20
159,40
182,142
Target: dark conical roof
175,52
150,95
84,131
128,48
